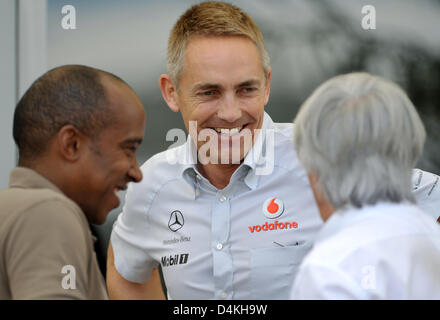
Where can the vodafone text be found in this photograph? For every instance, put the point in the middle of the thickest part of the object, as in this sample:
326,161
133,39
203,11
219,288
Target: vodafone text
273,226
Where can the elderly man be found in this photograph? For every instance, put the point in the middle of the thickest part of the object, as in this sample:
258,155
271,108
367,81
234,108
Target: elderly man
77,130
359,136
230,214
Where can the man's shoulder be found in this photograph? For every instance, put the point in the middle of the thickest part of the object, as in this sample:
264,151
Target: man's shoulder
50,209
284,129
369,231
47,237
162,168
285,156
17,202
164,165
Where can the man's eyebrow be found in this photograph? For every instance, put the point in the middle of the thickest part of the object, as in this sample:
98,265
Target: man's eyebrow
247,83
213,86
206,86
132,140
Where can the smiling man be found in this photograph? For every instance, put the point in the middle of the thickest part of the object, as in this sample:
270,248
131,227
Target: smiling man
223,94
77,130
220,225
209,221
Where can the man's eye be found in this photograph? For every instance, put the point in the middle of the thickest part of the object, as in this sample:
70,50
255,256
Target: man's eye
132,149
208,93
249,89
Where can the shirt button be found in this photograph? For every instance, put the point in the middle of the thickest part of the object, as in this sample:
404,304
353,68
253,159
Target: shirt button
198,177
219,246
223,295
222,199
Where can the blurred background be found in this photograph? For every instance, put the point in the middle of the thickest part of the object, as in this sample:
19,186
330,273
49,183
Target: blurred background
308,41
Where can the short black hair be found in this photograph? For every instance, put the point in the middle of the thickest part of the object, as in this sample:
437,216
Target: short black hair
70,94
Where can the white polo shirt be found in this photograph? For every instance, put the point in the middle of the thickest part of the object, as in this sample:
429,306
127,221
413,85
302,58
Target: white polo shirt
386,251
221,244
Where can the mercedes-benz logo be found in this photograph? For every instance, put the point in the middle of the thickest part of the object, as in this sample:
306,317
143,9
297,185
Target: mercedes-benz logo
176,221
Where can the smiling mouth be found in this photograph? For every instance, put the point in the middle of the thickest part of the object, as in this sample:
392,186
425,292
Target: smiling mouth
228,131
117,189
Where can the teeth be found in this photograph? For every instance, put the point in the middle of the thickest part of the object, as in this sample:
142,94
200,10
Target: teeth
234,131
116,191
228,132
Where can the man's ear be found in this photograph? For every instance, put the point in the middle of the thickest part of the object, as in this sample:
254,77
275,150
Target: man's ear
267,88
70,142
169,92
325,208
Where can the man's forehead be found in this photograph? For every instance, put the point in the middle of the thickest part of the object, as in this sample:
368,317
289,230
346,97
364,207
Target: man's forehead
211,45
231,63
125,108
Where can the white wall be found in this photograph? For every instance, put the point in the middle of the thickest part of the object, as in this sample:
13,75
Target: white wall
32,42
8,87
23,58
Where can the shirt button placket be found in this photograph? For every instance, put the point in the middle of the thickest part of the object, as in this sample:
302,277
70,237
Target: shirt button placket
222,259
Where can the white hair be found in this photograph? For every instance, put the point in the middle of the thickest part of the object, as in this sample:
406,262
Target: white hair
360,135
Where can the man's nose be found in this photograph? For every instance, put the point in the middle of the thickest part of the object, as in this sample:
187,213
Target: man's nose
135,173
230,109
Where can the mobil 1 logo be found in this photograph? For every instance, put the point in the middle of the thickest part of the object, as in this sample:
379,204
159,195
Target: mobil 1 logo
173,260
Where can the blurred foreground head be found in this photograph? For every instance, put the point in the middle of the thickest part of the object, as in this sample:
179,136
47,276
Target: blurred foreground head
80,128
359,136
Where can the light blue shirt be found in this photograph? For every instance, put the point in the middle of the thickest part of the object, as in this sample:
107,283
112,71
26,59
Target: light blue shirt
220,244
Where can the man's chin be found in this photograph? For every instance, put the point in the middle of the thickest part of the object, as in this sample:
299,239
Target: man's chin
226,158
97,216
99,219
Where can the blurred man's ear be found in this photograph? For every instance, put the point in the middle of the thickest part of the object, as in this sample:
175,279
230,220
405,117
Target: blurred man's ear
169,92
70,141
325,208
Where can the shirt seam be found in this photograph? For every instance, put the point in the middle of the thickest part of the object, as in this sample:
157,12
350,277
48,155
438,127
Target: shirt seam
153,198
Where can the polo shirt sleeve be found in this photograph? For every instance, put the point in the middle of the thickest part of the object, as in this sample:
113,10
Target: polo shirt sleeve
318,282
47,254
426,188
130,235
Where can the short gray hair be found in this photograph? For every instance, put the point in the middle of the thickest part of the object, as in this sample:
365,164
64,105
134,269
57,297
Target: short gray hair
361,136
210,19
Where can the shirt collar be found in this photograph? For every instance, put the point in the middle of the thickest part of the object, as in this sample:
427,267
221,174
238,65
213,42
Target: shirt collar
253,160
188,169
256,157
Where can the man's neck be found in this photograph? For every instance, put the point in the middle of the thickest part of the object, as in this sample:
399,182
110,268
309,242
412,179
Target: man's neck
218,174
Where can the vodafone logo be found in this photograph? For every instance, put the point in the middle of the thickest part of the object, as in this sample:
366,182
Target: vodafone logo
273,208
273,226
